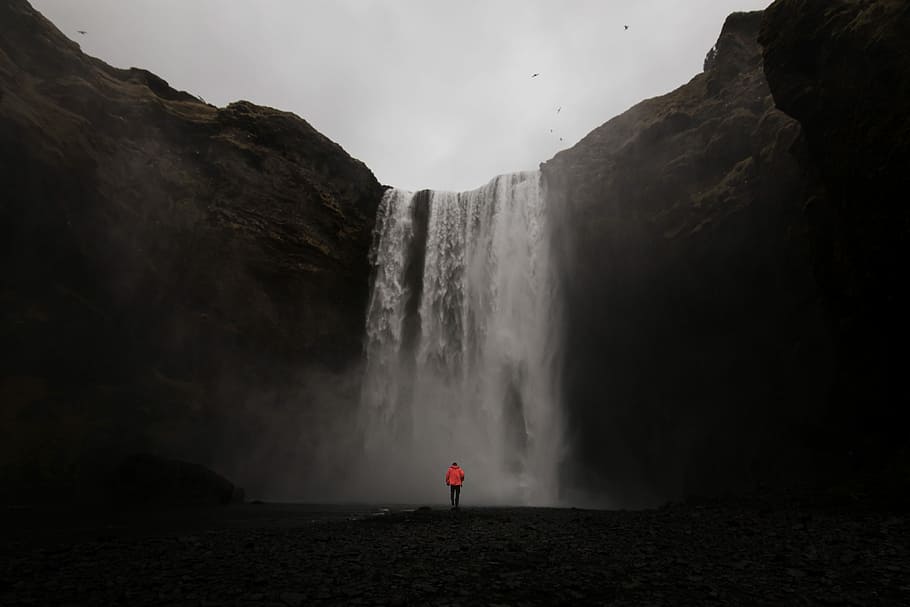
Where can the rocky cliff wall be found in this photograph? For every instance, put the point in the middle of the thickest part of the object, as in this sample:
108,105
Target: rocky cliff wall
174,274
842,69
697,353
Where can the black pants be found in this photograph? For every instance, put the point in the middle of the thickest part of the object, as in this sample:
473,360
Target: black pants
454,493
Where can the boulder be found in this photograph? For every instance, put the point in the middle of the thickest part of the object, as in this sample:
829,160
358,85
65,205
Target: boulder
150,480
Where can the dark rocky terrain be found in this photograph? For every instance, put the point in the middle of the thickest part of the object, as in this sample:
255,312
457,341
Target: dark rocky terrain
174,274
781,551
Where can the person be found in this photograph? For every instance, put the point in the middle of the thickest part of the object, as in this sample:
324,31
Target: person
454,479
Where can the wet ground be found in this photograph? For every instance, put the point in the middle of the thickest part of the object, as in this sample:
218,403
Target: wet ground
742,552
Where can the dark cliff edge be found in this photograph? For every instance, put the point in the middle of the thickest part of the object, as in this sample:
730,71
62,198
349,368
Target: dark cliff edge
177,278
842,69
698,357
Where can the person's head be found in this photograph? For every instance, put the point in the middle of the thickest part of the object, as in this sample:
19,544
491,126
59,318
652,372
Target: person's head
454,463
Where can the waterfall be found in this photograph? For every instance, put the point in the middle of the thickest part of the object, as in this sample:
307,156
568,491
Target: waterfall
461,345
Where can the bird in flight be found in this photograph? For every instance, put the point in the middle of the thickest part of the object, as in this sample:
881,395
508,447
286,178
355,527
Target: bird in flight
558,109
535,75
626,26
83,32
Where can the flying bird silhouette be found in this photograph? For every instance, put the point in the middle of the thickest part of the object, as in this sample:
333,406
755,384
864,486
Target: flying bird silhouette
626,26
83,32
558,109
535,75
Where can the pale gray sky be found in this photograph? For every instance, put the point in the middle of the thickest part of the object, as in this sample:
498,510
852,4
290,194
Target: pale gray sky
428,93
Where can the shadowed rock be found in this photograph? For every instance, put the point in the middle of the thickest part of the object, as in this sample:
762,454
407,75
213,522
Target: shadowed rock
146,479
169,268
697,355
842,68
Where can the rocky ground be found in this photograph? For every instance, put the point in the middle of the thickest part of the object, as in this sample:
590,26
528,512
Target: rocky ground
748,552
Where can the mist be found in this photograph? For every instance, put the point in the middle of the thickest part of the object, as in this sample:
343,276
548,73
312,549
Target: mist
461,349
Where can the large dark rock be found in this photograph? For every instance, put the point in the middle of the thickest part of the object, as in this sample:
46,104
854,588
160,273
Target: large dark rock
842,69
149,480
697,356
173,273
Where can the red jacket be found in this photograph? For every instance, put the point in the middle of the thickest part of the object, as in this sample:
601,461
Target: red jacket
454,476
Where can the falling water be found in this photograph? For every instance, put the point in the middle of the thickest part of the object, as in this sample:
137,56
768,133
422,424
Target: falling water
461,346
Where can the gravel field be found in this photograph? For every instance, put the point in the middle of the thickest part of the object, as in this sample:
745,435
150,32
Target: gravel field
743,552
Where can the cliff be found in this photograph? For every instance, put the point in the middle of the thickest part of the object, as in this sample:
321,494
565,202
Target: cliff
842,69
697,355
169,267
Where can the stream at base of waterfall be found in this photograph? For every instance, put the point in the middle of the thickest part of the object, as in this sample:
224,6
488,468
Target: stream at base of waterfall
462,346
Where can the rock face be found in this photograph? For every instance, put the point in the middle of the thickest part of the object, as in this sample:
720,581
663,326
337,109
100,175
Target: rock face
842,69
169,267
697,357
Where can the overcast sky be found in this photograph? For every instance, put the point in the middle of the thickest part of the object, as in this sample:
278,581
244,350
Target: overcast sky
428,93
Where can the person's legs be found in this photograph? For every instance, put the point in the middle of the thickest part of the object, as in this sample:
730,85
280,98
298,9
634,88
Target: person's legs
452,494
457,489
